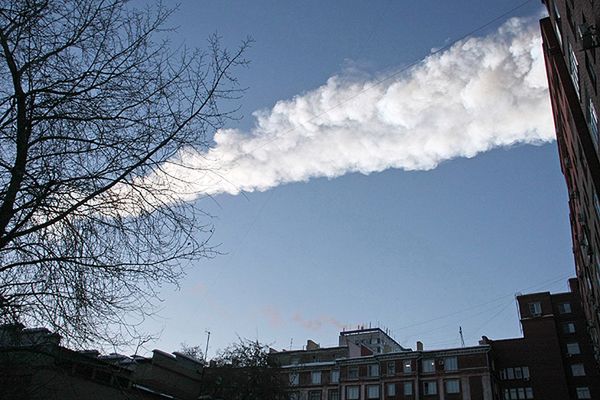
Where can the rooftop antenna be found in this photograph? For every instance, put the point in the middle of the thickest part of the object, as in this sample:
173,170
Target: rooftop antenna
291,343
462,339
207,340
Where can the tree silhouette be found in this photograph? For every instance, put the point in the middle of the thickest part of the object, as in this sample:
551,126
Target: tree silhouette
92,103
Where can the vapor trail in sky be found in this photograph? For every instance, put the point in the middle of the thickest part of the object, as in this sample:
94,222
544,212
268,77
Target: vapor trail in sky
481,93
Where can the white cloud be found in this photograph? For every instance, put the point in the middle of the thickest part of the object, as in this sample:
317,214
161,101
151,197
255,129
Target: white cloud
479,94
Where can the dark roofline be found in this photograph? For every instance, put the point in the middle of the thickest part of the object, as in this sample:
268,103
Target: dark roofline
371,330
320,349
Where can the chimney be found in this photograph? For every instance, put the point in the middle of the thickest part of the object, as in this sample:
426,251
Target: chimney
419,346
310,345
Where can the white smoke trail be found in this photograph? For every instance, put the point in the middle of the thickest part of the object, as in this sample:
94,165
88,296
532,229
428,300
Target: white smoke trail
479,94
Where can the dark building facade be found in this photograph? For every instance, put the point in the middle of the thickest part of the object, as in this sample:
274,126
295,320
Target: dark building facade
571,43
554,359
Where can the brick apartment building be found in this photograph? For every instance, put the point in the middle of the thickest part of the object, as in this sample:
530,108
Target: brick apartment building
570,41
552,361
555,358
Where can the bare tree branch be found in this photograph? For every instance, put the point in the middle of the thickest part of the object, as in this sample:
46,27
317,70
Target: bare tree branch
90,105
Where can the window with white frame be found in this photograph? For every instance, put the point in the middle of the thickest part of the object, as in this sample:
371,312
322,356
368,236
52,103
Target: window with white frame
429,387
352,392
407,388
391,389
577,370
335,375
452,386
352,372
583,392
564,308
593,121
557,22
450,364
315,377
391,368
573,68
373,370
372,391
529,393
514,373
573,348
535,308
294,378
333,394
314,395
518,393
407,366
428,365
569,327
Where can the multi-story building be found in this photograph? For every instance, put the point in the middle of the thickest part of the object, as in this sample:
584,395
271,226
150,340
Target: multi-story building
571,41
33,365
552,361
554,358
369,364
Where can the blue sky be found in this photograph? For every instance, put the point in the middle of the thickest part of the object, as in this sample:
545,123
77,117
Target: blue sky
418,252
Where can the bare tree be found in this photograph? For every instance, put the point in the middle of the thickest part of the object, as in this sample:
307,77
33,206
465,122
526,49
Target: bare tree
245,371
92,103
192,351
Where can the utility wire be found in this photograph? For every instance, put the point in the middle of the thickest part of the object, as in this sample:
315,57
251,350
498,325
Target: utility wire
400,71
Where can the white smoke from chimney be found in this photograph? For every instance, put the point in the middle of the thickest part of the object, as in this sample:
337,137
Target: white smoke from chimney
481,93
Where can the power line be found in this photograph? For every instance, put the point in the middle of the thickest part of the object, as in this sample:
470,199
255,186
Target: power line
415,62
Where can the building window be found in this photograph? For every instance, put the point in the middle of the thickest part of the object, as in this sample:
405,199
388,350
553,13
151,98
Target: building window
428,365
429,388
573,348
391,389
450,364
352,372
314,395
514,373
452,386
593,121
352,392
407,367
333,394
373,370
391,368
372,391
577,370
557,23
583,393
564,308
335,375
597,207
294,379
408,390
591,73
569,327
510,373
315,377
518,393
535,309
574,69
